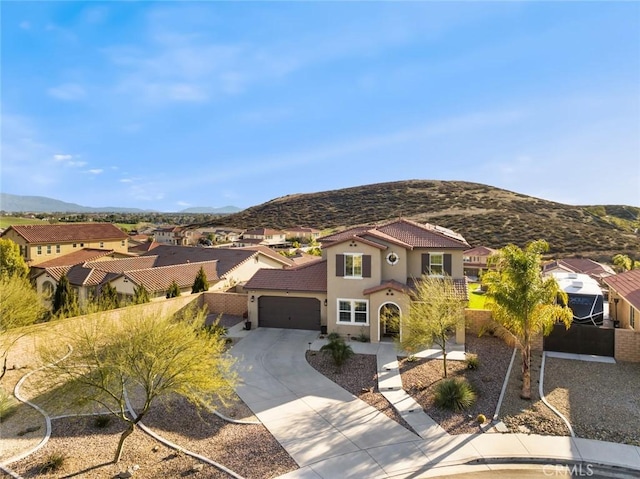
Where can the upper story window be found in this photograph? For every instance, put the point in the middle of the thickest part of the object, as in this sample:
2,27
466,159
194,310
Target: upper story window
39,250
122,243
101,244
75,245
48,249
436,264
58,249
632,317
353,265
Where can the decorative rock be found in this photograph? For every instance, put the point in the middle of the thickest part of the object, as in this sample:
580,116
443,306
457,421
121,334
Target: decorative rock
155,449
125,474
524,429
198,467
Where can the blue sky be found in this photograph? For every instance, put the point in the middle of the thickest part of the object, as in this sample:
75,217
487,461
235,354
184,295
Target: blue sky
175,104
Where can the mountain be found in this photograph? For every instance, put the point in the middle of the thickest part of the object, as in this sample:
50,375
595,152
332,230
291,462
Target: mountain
483,214
224,210
42,204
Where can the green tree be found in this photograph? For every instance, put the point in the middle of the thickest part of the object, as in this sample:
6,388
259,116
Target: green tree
523,302
174,290
622,263
140,295
65,300
200,284
19,306
11,261
436,309
147,358
108,298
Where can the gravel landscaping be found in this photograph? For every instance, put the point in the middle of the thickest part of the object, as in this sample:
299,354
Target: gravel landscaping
420,377
529,416
359,376
601,401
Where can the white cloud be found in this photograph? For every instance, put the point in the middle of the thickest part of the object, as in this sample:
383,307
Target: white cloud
76,164
68,160
67,92
95,171
126,180
62,157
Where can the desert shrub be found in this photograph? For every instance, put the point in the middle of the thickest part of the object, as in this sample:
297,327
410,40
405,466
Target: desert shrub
339,350
102,421
333,336
472,361
8,405
52,463
481,419
454,394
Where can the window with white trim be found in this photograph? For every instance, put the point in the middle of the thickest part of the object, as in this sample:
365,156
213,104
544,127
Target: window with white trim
436,264
58,249
632,317
353,265
101,244
353,311
39,250
48,249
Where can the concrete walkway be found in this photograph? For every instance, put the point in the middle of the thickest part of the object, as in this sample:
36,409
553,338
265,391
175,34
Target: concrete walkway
331,434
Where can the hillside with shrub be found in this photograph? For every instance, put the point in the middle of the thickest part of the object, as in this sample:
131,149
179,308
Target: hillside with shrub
483,214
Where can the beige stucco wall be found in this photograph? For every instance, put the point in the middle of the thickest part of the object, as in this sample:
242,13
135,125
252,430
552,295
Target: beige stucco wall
253,297
415,262
246,270
622,311
33,258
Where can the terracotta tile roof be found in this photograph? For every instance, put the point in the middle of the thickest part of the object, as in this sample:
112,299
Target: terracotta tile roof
391,284
263,232
66,232
311,277
459,285
301,229
80,275
300,257
410,233
265,250
55,272
123,264
228,258
581,265
160,278
479,251
143,247
77,257
627,285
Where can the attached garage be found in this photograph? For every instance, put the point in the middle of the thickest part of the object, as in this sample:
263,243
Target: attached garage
289,312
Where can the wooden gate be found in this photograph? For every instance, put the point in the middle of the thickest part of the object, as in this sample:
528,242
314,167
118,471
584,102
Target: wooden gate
581,339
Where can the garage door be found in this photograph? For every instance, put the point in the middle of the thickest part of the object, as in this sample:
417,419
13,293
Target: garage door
289,313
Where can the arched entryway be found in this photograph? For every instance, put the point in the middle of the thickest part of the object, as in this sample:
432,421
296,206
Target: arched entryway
389,317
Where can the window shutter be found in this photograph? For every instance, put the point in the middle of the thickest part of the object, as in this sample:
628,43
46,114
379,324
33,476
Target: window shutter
339,265
447,264
425,263
366,266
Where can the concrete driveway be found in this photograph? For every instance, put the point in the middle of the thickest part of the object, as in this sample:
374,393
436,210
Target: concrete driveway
319,424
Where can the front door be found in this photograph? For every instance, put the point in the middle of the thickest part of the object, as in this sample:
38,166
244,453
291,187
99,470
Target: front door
389,321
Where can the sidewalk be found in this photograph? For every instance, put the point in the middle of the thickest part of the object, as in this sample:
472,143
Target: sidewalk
330,433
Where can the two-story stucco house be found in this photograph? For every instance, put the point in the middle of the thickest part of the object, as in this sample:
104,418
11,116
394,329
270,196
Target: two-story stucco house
40,243
475,260
365,272
262,236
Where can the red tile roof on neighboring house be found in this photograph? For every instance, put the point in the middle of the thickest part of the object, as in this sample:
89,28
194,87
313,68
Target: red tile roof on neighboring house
479,251
410,233
159,279
301,229
77,257
311,277
300,257
266,251
263,232
586,266
627,285
143,247
123,264
66,232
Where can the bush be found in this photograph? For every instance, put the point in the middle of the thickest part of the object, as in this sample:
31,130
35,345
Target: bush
102,421
481,419
472,361
8,405
333,336
53,462
454,394
340,351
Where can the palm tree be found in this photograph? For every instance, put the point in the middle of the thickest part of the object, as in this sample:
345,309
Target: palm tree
523,302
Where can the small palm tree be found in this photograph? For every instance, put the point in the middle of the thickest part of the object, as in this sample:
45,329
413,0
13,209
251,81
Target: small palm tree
340,351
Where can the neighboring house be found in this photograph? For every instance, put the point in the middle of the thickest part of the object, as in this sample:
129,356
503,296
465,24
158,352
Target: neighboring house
177,236
624,298
262,236
143,247
222,235
475,260
303,233
597,271
365,272
156,269
40,243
